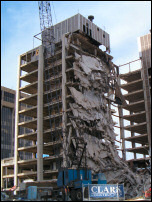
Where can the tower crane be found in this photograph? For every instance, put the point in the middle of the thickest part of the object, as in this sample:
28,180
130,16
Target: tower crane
46,25
45,15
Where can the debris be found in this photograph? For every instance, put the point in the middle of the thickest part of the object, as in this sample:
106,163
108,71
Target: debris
93,122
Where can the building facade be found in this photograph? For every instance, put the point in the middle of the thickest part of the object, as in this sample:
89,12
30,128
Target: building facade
138,96
8,99
7,122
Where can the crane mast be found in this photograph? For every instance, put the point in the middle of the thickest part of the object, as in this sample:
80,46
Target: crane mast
46,26
45,14
48,44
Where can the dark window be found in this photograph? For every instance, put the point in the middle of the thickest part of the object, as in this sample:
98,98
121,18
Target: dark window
9,97
29,55
28,118
33,53
97,29
90,32
23,105
21,130
27,130
84,28
23,60
87,31
7,132
21,118
103,35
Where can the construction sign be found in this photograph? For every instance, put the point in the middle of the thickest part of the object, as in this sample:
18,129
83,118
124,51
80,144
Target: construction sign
106,191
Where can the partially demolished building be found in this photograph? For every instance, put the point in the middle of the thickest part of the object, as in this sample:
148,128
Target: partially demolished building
138,95
70,107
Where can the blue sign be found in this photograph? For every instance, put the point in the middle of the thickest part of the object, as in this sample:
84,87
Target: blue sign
106,191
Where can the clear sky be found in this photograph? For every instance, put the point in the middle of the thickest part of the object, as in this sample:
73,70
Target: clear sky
125,21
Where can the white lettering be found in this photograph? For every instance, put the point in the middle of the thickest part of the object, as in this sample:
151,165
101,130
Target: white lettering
99,190
118,190
112,190
106,189
94,189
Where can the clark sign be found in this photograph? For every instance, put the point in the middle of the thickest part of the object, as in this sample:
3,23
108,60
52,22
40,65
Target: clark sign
106,191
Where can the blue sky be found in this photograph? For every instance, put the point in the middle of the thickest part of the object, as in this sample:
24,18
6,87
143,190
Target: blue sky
123,20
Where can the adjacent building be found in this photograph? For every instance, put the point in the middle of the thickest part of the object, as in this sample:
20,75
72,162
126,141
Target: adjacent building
138,96
7,122
8,99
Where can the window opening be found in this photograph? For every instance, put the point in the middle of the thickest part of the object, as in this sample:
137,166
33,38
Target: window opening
29,56
90,32
84,28
23,60
87,31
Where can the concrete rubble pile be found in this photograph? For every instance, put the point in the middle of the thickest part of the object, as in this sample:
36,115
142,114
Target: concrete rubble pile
94,123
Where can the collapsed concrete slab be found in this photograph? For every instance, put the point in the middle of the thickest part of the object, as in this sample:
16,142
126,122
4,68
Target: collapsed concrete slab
93,122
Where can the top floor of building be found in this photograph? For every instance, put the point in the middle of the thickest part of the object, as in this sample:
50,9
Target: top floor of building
79,23
144,46
8,96
74,24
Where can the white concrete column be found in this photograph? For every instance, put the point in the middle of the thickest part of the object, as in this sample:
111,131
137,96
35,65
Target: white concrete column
16,127
6,177
64,107
40,116
2,173
121,122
